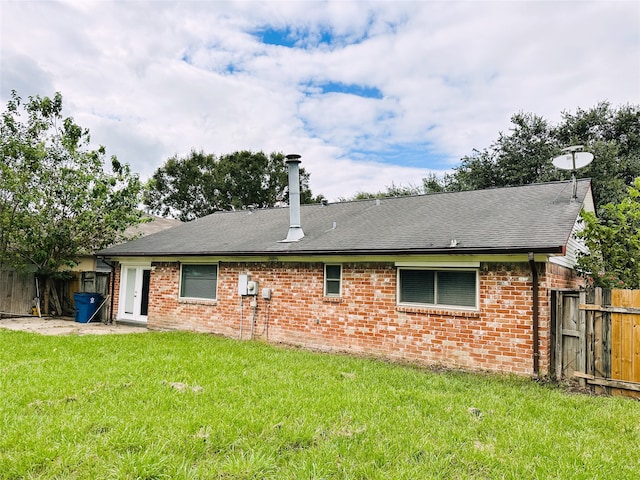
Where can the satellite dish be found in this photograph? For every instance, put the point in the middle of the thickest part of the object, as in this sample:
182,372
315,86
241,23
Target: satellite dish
573,160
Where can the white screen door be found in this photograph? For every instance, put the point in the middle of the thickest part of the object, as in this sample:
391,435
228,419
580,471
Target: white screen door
134,293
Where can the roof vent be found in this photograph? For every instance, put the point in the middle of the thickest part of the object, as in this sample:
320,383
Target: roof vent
295,232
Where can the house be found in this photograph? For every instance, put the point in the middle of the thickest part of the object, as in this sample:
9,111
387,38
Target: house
92,274
90,263
19,290
460,279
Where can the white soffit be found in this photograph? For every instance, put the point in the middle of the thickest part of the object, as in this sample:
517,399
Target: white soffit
441,264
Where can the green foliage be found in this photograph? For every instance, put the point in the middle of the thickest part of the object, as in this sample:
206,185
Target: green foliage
393,190
613,136
433,184
200,184
183,187
194,406
524,155
56,200
613,241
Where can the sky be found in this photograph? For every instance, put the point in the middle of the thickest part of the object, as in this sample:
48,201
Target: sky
369,93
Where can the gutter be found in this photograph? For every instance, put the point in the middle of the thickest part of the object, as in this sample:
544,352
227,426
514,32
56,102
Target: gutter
536,319
300,252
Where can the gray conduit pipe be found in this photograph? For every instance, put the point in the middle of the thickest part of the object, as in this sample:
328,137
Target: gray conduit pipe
241,308
536,319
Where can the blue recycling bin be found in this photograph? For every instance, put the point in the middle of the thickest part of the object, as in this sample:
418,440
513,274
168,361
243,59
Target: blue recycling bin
86,305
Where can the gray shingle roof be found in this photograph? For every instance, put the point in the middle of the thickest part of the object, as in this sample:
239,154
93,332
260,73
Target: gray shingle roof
536,218
154,224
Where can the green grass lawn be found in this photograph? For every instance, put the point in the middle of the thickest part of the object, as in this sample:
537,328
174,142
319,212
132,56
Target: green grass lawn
192,406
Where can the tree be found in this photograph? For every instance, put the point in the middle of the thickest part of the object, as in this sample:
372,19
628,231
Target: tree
613,136
433,184
516,158
200,184
524,155
183,188
57,202
393,190
613,240
476,172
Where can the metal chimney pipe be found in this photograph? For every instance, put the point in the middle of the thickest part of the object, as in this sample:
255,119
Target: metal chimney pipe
295,230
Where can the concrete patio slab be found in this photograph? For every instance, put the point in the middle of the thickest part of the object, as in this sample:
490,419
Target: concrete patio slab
66,326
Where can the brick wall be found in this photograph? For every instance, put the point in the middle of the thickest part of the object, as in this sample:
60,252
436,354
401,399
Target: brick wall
116,289
366,318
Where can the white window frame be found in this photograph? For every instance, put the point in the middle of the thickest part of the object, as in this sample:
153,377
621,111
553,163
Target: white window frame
476,307
191,264
326,280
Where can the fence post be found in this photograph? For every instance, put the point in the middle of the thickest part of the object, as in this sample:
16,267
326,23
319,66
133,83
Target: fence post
559,316
592,326
606,335
583,339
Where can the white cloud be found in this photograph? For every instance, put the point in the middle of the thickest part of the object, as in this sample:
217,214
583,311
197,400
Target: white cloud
154,79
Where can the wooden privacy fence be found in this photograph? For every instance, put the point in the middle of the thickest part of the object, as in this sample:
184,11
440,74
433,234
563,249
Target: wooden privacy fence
596,338
17,291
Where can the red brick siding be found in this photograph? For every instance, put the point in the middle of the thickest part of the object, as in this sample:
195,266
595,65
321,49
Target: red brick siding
116,289
366,318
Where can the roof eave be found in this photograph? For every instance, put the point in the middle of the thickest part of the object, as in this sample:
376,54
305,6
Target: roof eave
560,249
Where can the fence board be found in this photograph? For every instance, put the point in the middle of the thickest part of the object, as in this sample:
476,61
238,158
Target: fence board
557,331
605,335
17,291
616,347
570,338
636,351
608,329
626,346
593,346
625,349
625,298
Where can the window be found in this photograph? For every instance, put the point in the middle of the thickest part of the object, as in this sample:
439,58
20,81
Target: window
199,281
455,288
332,280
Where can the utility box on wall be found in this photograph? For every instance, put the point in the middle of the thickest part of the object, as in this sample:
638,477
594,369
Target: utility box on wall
243,280
246,286
252,288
